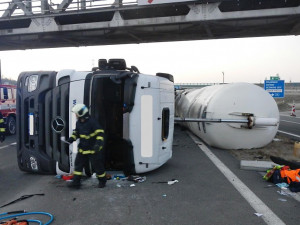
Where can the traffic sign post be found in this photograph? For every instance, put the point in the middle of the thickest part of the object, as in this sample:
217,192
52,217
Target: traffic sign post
275,88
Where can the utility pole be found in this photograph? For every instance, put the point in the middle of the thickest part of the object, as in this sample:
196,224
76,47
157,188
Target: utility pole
223,77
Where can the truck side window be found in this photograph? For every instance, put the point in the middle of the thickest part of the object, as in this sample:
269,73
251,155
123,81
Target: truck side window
4,93
165,123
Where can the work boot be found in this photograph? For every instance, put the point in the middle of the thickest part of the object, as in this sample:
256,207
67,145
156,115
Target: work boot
75,183
102,182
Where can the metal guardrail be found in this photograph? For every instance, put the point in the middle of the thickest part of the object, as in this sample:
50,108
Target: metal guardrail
289,87
10,8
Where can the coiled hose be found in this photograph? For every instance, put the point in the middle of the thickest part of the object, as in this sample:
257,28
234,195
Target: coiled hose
15,214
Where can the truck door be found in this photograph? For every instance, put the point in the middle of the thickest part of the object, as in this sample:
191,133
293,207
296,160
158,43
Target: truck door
150,121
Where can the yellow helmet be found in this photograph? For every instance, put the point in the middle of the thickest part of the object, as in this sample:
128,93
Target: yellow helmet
80,110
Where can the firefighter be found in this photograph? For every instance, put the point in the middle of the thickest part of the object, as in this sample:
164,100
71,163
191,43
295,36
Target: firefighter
90,147
2,128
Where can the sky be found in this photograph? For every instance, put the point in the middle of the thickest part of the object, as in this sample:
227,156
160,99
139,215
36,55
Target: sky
242,60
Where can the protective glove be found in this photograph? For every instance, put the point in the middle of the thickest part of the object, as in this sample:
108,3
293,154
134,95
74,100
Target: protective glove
2,137
96,147
70,140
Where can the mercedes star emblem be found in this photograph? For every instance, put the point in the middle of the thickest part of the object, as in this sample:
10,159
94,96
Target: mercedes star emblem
58,124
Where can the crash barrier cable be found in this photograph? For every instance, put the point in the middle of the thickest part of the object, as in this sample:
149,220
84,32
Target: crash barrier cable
23,213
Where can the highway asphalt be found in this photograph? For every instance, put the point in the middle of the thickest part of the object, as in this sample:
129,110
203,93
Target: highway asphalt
290,125
212,189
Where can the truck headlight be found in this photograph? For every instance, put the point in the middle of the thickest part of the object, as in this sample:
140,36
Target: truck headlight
33,163
32,83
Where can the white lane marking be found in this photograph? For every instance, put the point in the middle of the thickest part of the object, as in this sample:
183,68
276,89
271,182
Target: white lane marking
294,117
258,205
289,121
294,135
6,146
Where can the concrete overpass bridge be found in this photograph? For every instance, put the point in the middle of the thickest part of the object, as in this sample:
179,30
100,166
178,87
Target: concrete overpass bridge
30,24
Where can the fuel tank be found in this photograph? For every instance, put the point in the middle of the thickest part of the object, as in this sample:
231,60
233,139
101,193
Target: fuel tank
230,102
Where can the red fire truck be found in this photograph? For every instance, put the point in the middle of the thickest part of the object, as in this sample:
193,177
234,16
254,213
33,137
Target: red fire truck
8,106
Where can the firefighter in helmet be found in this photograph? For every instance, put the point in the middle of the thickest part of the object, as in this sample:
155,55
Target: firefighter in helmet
90,147
2,128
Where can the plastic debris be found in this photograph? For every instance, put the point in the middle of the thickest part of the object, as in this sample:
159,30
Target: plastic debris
132,185
67,177
164,195
258,214
282,185
281,192
270,185
58,176
119,185
172,182
282,199
136,179
118,177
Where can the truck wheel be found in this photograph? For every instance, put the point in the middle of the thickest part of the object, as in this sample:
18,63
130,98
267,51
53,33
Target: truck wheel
11,125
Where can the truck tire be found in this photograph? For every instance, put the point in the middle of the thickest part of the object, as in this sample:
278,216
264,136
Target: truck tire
11,125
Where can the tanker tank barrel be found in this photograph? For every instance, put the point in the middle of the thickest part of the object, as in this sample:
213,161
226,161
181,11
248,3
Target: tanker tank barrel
229,116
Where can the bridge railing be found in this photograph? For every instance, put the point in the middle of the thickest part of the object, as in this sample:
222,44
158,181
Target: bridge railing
10,8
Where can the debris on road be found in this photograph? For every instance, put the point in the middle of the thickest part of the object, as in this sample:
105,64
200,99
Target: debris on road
136,178
171,182
292,164
282,185
256,165
284,177
21,198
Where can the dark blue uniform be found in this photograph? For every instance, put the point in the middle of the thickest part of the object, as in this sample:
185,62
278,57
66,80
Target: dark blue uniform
90,147
2,128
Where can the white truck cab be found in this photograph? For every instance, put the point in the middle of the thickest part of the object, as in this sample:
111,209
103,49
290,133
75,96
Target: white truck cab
135,110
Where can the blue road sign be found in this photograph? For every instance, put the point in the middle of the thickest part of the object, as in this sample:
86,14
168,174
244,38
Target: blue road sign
275,88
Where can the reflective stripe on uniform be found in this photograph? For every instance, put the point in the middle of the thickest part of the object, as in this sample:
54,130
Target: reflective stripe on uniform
96,132
99,138
84,136
1,120
99,131
102,175
84,152
73,136
77,173
2,129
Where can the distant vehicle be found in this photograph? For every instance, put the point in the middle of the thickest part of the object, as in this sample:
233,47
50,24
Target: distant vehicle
8,106
136,111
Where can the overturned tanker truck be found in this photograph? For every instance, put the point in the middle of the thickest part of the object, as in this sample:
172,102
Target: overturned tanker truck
229,116
136,111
